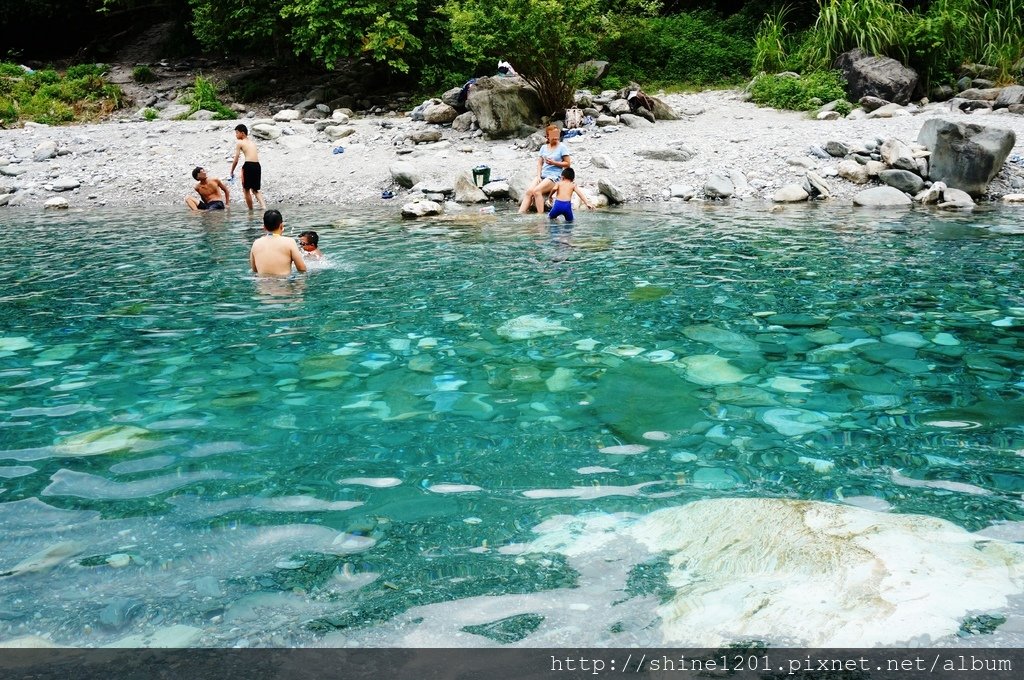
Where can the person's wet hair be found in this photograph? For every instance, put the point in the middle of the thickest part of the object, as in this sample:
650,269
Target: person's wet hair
241,128
272,220
569,174
195,172
311,237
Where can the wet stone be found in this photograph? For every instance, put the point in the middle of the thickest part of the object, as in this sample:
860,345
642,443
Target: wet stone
508,630
121,610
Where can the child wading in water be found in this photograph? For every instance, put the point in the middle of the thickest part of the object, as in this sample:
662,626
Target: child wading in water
562,202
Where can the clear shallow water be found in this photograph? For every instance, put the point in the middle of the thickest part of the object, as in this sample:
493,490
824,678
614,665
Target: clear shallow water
272,461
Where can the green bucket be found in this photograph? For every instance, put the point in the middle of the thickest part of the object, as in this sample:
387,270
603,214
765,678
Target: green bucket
481,175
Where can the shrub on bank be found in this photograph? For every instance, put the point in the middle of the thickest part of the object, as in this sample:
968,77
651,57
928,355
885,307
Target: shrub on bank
46,96
693,48
204,96
800,93
143,74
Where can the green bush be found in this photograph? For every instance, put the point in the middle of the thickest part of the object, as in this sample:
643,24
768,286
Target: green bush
143,74
204,96
48,97
85,71
799,93
150,114
11,70
696,48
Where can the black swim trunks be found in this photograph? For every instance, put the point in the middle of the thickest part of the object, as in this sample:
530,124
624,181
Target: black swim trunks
212,205
252,175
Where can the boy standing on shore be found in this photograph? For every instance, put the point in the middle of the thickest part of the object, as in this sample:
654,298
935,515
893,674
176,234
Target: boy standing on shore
252,173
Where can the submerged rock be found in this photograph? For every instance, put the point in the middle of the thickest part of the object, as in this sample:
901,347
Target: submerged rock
529,326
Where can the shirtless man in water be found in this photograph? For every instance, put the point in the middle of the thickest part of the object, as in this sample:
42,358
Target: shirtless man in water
272,254
213,195
252,172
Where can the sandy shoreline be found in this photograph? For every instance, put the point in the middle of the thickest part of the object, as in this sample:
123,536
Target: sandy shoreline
133,162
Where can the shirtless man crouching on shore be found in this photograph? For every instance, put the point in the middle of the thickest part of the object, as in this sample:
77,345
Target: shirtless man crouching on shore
273,254
213,194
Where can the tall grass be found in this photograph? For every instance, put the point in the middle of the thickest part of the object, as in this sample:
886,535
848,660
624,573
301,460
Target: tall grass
878,27
205,96
935,40
770,41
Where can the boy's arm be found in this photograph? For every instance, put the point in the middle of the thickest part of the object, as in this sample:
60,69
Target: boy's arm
238,152
300,264
252,261
583,198
227,192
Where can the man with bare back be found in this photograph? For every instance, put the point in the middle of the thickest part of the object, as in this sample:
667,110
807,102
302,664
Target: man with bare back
273,254
252,172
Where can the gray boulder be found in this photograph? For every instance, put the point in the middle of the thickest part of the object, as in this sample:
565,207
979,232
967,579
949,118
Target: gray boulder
464,122
65,184
633,121
988,94
405,174
420,209
519,183
605,120
880,77
617,107
837,149
611,190
57,203
266,131
1014,94
495,190
174,111
881,197
683,191
451,98
954,199
854,172
965,156
718,186
903,180
680,155
336,132
44,151
941,93
898,155
287,115
202,114
869,103
791,193
503,105
600,160
816,185
887,111
422,136
468,192
663,111
440,114
932,194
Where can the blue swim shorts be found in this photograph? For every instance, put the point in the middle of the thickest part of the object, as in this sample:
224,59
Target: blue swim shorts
561,208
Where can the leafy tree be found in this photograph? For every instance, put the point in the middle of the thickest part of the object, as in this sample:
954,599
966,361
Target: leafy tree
544,40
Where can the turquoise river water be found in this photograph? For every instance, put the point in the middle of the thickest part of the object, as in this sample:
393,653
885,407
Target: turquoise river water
188,450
